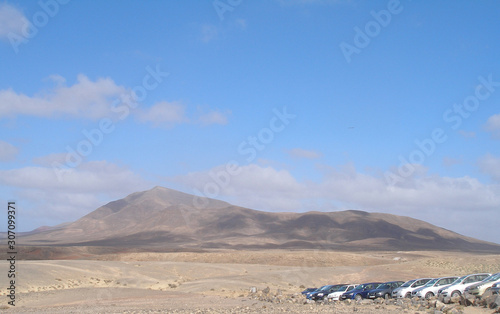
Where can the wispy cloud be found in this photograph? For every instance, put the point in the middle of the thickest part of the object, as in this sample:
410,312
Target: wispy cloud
490,165
8,152
493,126
209,32
449,161
12,20
163,114
303,153
214,117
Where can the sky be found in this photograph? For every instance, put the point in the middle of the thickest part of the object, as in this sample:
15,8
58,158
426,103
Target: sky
278,105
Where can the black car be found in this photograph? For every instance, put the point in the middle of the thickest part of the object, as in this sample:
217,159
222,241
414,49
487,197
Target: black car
323,292
384,290
309,290
360,292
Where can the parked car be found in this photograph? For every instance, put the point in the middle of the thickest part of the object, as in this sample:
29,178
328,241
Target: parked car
360,292
495,289
480,288
457,288
309,290
335,296
320,294
384,290
431,288
407,288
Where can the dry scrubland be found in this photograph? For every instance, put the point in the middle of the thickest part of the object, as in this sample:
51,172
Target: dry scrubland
219,281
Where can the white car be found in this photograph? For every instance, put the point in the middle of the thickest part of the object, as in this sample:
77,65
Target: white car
334,296
431,288
457,288
407,288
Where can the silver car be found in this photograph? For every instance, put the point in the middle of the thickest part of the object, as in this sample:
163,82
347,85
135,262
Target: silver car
457,288
407,288
431,288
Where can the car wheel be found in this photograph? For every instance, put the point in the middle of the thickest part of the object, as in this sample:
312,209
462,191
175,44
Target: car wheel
408,295
387,296
429,295
455,294
357,297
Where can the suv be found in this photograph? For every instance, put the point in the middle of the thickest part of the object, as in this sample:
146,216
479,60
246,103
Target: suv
407,288
457,288
335,295
480,288
360,291
384,290
432,287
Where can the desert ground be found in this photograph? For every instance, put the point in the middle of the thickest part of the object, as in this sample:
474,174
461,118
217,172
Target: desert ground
219,281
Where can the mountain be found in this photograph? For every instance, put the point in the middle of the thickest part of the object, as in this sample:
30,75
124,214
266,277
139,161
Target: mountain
162,218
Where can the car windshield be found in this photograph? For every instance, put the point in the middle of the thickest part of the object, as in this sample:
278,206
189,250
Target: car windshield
408,283
360,287
431,283
325,288
384,286
493,277
459,280
342,288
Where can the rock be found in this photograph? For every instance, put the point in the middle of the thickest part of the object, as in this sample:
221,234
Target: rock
455,299
266,291
446,300
439,305
253,290
279,293
493,301
486,294
365,302
467,301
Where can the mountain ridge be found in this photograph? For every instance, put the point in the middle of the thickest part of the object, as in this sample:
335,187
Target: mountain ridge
166,218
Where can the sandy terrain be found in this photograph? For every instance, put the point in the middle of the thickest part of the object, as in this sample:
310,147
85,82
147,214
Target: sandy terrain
217,281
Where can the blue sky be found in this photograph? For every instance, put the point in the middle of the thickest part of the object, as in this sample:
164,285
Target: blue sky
382,106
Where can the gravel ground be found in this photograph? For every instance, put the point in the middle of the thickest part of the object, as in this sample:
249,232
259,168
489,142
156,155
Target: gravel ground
123,300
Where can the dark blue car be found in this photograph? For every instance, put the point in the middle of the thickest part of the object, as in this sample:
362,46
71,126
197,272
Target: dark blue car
360,292
384,290
309,290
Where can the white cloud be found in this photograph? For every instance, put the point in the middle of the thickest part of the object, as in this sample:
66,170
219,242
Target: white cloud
165,114
213,117
493,126
12,20
490,165
303,153
74,192
8,152
85,99
254,186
